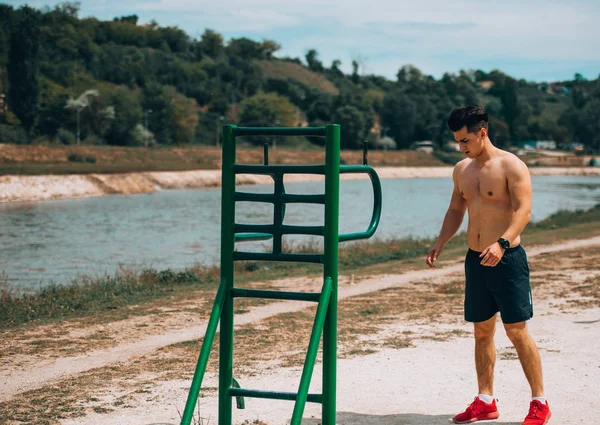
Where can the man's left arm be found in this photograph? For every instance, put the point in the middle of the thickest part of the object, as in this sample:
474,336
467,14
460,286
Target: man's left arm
519,189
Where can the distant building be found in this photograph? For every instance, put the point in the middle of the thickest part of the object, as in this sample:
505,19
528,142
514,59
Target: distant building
423,146
536,144
576,147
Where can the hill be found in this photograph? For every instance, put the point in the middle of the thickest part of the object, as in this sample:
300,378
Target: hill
67,80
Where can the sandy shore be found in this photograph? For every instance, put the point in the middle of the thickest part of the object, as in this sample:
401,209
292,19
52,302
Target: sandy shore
47,187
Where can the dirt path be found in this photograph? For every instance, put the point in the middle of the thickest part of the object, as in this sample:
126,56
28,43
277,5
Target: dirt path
411,360
48,368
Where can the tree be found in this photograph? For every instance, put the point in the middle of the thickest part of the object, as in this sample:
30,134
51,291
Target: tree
69,8
174,117
267,110
23,66
399,115
212,43
83,101
269,47
142,137
354,130
129,19
127,114
335,67
507,90
589,125
355,76
312,59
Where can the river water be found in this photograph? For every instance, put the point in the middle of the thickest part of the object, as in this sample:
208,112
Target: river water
56,241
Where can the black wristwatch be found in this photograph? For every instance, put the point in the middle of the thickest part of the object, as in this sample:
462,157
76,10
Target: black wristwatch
504,243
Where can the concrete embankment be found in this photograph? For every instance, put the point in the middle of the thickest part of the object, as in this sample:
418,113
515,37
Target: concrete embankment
47,187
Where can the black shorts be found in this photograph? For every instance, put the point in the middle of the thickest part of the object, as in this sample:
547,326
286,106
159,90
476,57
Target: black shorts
504,288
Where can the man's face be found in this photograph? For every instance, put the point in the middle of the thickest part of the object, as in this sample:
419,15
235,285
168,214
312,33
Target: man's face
471,144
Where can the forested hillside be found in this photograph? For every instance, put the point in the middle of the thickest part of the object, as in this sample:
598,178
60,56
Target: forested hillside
123,83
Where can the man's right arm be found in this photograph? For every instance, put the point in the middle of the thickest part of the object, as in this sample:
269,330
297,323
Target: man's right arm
452,220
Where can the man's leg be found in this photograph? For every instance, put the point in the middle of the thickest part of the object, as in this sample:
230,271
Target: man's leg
485,355
528,356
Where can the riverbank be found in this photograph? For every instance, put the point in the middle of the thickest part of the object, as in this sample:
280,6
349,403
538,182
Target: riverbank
20,188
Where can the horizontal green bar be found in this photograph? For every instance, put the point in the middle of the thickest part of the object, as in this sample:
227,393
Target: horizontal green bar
355,169
278,169
235,392
248,237
261,256
284,229
253,228
275,295
286,198
279,131
302,230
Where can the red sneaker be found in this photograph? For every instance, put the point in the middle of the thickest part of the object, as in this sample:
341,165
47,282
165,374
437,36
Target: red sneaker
479,410
539,413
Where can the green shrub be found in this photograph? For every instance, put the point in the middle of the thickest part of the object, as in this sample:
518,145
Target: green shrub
75,157
12,134
65,137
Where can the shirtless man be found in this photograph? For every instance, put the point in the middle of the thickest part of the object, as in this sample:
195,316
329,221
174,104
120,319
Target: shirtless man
494,185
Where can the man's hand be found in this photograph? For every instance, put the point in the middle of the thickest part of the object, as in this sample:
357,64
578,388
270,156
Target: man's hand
433,254
492,255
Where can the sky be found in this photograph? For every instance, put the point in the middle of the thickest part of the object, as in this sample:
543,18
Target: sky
538,40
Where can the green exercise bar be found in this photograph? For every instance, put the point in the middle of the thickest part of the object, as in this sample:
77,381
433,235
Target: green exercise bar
326,317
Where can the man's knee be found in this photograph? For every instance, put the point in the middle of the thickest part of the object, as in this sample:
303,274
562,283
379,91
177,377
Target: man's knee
517,332
485,330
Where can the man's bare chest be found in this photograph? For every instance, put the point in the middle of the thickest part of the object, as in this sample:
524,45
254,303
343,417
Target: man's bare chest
487,184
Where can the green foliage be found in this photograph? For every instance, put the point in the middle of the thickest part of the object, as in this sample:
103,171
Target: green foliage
354,130
86,295
65,137
212,44
75,157
399,115
12,134
23,65
127,114
188,84
267,110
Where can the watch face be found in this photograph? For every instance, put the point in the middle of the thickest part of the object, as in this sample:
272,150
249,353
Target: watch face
504,243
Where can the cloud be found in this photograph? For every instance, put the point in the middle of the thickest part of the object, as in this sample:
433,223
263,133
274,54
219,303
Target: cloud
438,34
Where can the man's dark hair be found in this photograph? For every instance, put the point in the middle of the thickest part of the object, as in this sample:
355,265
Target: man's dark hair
473,116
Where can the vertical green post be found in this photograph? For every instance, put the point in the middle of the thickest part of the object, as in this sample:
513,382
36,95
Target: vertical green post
330,269
227,247
211,329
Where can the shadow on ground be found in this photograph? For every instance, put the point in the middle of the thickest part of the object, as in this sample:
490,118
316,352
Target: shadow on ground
349,418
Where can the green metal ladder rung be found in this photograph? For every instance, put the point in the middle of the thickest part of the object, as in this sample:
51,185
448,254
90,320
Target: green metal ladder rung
278,169
239,392
247,237
261,256
285,198
283,229
275,295
279,131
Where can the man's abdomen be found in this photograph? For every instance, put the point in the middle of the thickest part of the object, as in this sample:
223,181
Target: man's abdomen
487,222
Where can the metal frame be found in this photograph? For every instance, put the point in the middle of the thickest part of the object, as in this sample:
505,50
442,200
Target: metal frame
327,309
